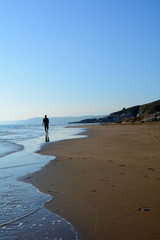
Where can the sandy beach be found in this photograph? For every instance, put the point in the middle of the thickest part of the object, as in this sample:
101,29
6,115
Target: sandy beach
101,183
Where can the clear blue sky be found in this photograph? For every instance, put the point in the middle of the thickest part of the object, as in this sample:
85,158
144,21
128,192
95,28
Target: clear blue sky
77,57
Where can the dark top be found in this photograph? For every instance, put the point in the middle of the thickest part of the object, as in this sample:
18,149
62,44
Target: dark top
45,121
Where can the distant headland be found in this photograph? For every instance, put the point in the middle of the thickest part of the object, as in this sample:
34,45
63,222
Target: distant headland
149,112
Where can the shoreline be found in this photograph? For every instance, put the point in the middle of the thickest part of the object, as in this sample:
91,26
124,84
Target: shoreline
98,183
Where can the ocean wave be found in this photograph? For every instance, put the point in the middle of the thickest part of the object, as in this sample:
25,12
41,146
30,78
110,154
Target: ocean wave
5,133
7,148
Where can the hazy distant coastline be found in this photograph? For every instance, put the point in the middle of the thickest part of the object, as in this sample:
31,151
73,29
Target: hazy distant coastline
53,120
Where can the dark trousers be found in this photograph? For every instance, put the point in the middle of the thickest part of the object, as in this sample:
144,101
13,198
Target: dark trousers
46,127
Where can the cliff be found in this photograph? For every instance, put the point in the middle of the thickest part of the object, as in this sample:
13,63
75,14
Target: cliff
141,113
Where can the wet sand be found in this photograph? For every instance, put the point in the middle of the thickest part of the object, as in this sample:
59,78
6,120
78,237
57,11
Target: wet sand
99,183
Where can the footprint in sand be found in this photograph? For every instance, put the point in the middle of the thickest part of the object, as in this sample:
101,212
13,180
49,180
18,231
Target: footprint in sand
152,169
111,161
93,190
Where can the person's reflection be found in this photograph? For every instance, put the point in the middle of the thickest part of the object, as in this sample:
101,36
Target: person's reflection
47,137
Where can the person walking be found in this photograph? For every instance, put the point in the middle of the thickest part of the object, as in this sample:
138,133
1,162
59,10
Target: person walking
45,123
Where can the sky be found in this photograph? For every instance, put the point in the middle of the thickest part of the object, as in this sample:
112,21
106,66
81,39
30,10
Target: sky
77,57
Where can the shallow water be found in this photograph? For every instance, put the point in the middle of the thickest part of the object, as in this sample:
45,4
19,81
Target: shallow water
22,212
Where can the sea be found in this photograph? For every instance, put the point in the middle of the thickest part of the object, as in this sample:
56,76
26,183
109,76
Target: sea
22,212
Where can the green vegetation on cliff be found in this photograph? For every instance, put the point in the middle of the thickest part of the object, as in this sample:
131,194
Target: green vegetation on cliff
140,110
150,108
132,111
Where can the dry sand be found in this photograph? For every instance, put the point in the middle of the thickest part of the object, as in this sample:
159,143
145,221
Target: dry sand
100,182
